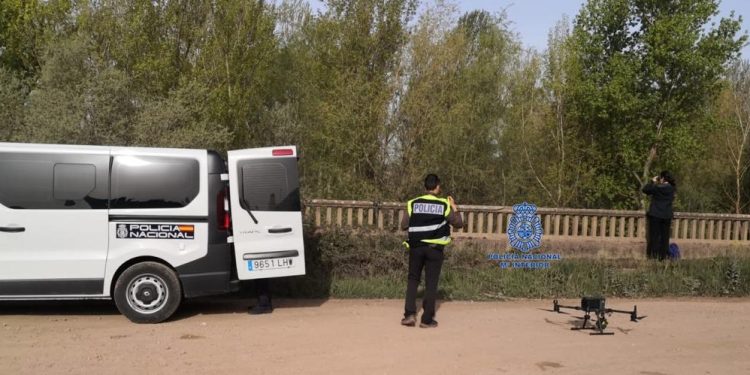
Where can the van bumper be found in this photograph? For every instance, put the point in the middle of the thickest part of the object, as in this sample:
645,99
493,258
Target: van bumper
209,275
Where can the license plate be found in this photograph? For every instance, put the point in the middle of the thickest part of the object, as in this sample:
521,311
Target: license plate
269,264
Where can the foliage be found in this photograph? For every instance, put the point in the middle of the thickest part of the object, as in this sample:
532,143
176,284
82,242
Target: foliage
377,93
26,28
12,96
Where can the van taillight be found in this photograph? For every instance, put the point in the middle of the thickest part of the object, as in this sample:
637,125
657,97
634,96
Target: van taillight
282,152
223,218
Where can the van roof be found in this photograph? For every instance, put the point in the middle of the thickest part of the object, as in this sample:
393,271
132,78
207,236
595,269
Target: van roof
41,147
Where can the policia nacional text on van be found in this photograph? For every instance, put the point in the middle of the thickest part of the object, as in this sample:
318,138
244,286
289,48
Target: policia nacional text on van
428,223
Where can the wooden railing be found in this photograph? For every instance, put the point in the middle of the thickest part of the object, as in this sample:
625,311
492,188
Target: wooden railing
492,221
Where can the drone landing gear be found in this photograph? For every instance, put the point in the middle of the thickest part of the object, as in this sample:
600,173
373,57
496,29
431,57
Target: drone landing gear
598,325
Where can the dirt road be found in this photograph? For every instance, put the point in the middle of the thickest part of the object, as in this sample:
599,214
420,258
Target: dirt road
364,337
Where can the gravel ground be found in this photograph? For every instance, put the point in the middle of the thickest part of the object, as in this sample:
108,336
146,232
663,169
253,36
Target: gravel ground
679,336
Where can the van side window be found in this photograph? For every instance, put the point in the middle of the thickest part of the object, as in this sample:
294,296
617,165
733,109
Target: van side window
154,182
54,181
73,181
269,184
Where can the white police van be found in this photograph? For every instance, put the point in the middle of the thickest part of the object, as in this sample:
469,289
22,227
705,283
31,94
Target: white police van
146,227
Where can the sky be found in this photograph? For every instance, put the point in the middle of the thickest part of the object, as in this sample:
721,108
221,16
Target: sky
533,19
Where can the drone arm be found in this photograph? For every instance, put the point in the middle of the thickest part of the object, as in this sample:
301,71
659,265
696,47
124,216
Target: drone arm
567,307
633,314
619,311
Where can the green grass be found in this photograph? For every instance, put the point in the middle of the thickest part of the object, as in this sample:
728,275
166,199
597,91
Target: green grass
344,264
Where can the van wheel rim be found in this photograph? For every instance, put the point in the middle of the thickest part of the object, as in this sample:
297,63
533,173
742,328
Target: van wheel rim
147,294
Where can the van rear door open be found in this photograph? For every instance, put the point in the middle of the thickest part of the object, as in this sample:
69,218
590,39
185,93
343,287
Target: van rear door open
266,212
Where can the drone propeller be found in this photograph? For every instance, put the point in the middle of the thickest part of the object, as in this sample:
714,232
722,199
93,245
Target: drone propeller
634,315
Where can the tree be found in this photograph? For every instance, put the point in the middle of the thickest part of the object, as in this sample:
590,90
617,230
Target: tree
79,98
735,132
235,66
12,96
180,120
648,69
26,27
456,96
352,59
423,95
546,146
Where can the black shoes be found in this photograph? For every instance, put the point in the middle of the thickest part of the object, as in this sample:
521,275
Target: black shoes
264,305
432,324
260,309
409,321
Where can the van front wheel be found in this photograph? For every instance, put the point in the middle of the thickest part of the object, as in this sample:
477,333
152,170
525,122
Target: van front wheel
147,292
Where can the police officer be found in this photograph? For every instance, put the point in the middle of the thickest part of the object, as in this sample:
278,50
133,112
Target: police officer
428,222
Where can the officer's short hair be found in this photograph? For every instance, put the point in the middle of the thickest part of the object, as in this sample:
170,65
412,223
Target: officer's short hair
431,181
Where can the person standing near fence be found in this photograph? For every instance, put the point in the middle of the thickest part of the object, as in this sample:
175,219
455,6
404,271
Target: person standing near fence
662,190
427,220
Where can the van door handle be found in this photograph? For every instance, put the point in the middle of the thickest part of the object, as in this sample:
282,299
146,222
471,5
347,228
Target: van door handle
12,229
279,230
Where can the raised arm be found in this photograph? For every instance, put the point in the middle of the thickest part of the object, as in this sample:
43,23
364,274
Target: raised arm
454,218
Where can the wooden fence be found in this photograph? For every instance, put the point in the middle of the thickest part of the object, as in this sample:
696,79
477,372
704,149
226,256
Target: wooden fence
491,222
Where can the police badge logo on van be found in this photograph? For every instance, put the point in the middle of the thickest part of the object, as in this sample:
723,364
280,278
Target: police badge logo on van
156,231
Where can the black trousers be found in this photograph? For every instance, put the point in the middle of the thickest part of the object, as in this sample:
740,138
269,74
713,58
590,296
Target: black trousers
431,259
657,241
263,290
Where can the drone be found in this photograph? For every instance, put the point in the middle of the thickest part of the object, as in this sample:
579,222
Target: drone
596,305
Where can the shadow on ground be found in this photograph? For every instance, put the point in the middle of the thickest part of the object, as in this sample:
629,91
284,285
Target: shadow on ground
225,304
236,304
90,307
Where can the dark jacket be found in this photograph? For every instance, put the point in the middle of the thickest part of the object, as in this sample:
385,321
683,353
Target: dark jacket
662,196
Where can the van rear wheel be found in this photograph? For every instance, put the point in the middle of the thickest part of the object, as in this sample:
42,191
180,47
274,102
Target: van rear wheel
148,292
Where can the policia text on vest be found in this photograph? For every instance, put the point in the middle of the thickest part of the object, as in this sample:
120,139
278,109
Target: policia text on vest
428,221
